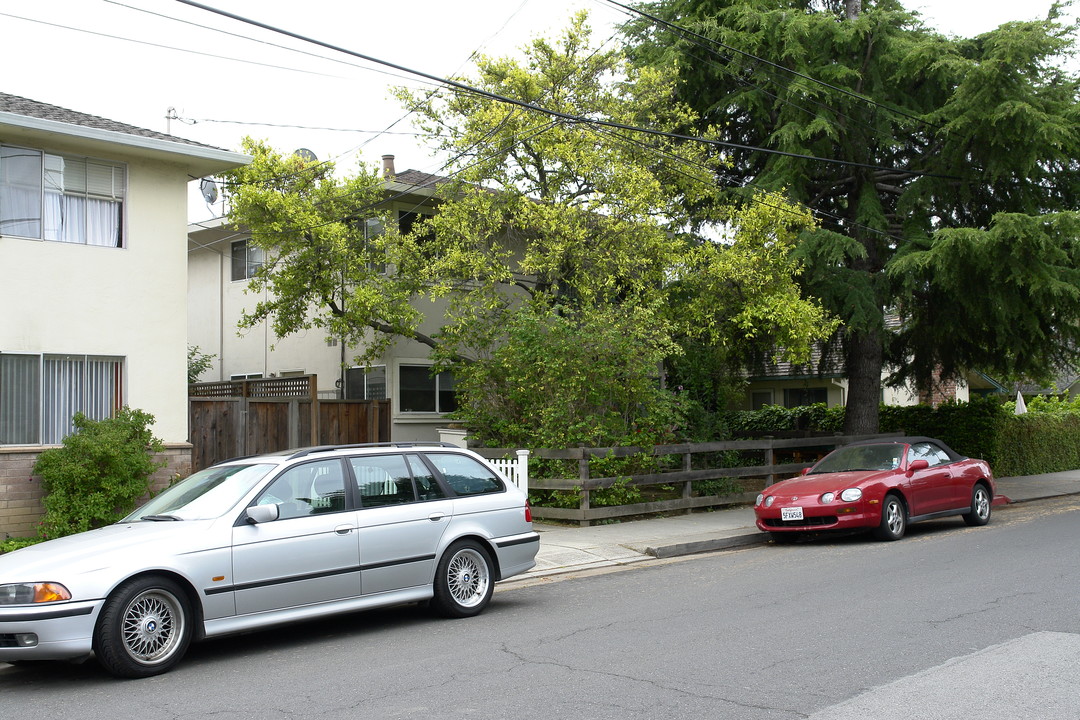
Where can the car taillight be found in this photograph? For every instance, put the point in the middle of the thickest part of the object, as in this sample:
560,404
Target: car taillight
528,512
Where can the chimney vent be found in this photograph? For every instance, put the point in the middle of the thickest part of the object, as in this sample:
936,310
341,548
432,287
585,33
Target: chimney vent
388,167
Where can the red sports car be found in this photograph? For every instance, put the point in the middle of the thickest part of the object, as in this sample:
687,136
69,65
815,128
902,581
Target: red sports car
881,485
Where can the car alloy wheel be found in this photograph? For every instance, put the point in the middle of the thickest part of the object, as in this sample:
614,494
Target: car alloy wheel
893,519
144,628
464,580
981,504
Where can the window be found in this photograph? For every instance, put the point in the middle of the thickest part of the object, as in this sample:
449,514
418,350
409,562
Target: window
308,489
928,452
797,397
61,198
464,475
39,394
365,383
407,221
383,480
246,259
760,398
420,391
372,229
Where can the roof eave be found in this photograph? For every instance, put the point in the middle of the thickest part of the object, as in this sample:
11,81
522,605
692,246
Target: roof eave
198,160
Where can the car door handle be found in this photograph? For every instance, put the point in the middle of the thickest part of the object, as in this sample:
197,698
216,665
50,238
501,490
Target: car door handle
436,517
344,529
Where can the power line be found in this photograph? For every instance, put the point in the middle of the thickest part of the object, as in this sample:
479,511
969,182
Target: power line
163,47
836,88
553,113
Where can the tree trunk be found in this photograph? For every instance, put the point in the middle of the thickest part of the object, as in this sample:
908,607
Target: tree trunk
864,363
852,8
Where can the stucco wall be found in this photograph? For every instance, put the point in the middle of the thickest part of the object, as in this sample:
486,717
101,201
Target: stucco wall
129,302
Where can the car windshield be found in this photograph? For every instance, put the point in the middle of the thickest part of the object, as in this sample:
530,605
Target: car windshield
207,494
861,457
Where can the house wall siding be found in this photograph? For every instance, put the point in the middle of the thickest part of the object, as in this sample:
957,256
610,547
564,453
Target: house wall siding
21,492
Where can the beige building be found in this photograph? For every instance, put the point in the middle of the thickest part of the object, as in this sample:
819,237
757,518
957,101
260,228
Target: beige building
92,222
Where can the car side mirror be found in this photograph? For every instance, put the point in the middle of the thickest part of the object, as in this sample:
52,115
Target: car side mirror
917,465
805,471
257,514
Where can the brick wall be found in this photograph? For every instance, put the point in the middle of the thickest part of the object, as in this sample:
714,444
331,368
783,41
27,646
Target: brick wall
20,491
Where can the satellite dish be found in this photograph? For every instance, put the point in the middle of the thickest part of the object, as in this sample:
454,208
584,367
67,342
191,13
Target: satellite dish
209,190
305,155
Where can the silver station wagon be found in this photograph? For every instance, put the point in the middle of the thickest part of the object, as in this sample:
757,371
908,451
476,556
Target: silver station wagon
267,540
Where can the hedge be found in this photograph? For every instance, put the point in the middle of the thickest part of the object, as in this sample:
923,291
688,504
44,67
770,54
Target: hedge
1045,439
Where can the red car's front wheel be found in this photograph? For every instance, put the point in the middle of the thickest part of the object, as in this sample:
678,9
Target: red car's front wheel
893,519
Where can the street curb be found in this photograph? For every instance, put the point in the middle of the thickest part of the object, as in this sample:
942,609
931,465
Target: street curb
704,546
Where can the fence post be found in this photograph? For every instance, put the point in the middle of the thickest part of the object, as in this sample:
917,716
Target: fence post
583,476
688,486
522,470
769,457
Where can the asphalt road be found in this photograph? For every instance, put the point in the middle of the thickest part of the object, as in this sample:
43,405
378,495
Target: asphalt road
950,622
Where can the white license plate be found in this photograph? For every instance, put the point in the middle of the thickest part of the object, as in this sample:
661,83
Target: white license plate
794,513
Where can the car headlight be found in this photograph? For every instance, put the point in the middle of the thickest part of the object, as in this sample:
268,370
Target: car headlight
827,498
760,497
31,593
851,495
769,501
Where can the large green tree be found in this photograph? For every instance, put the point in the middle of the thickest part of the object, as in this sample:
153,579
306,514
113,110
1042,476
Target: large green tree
944,172
555,221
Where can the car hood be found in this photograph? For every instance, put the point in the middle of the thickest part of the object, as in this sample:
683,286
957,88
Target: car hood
825,482
110,546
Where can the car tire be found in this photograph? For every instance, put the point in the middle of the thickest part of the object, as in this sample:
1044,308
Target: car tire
893,519
464,580
981,506
144,628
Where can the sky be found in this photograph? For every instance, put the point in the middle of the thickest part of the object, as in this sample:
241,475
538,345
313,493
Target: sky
143,62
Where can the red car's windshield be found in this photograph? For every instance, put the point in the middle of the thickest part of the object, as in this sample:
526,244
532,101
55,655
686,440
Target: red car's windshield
861,457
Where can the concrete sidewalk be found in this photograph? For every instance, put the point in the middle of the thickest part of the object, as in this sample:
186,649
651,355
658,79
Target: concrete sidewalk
569,549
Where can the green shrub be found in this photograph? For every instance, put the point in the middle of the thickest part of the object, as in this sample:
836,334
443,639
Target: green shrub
99,474
13,544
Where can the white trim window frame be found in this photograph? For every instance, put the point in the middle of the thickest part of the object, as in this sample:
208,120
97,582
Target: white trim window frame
365,383
40,394
245,260
420,391
62,198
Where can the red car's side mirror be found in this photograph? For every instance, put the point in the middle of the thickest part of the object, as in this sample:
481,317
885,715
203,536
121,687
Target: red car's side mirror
917,465
805,471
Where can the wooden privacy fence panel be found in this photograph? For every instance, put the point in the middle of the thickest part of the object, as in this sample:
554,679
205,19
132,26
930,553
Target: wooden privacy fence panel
250,417
342,419
805,451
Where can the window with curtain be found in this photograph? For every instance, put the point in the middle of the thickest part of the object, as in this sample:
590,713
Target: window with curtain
61,198
40,394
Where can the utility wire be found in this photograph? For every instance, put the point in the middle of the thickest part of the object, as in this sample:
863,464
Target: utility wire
836,88
553,113
164,47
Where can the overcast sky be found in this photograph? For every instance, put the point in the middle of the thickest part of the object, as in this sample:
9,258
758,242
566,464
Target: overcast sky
133,60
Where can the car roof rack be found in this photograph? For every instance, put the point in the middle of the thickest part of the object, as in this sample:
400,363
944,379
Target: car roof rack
303,452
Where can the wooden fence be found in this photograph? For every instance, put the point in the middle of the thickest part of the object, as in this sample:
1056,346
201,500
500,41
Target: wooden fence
780,458
249,417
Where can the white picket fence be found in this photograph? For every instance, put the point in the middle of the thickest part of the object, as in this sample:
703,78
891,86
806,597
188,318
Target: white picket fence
515,469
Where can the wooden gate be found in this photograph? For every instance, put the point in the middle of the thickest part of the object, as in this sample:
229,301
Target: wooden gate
248,417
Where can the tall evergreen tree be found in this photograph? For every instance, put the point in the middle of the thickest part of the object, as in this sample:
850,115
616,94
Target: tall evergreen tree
944,172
